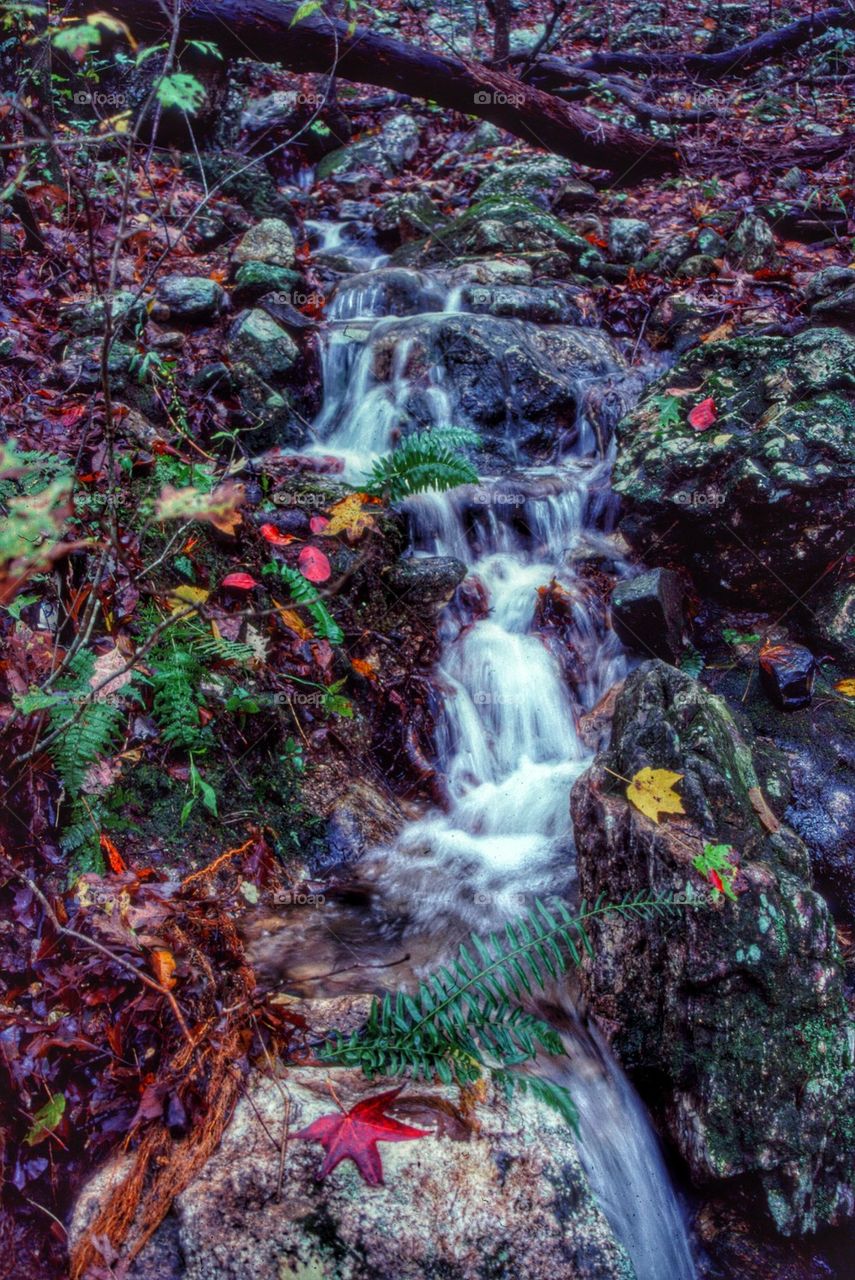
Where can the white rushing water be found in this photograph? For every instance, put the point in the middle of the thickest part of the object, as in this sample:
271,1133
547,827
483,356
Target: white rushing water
507,742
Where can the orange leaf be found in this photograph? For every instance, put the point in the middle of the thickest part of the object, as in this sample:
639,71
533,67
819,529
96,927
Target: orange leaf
293,622
363,668
275,536
163,967
114,858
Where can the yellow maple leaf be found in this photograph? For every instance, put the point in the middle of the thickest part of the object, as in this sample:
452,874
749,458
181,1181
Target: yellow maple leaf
348,516
652,792
183,595
846,687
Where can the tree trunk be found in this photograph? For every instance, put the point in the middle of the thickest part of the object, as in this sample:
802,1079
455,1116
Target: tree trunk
261,29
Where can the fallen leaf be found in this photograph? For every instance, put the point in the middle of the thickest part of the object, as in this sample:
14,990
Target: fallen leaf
275,536
846,687
703,415
239,581
652,792
163,967
353,1135
318,524
682,391
183,595
314,565
105,665
293,622
348,516
718,334
115,860
363,668
46,1119
761,808
218,508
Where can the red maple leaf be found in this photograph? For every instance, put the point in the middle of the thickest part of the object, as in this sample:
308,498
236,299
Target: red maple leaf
354,1134
703,415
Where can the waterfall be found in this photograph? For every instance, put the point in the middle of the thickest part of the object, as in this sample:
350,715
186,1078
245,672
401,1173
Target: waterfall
507,745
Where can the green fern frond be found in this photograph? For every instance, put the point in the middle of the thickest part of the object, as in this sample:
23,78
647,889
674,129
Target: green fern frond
548,1092
303,593
175,676
422,461
467,1015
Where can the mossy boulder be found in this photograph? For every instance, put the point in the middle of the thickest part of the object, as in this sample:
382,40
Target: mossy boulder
757,504
511,224
270,241
189,299
736,1009
256,340
545,181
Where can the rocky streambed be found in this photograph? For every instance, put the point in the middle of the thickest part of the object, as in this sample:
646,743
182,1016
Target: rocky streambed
694,614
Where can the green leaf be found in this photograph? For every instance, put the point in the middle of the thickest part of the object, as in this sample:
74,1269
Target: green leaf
81,36
182,91
306,9
46,1119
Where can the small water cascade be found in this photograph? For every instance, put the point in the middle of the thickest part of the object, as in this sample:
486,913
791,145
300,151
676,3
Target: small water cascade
507,743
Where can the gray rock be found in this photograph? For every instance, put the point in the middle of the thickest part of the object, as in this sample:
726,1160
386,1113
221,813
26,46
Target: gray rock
709,241
699,266
189,298
547,181
628,239
647,613
757,505
500,1193
255,279
542,304
839,307
387,152
128,313
827,282
834,622
270,241
425,580
484,137
409,215
752,245
81,363
257,340
735,1009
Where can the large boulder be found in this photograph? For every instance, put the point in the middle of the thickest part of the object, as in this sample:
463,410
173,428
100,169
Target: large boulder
547,181
256,340
386,152
511,224
497,1190
735,1009
270,241
757,503
527,389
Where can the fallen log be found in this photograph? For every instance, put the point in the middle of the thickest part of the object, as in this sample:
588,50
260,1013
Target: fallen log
262,30
728,62
551,74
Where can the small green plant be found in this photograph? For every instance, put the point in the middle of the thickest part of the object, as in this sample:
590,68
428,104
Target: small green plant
692,663
729,636
468,1017
199,790
303,593
716,865
425,460
175,675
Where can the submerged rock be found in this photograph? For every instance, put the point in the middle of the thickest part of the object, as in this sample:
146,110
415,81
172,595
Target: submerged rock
735,1009
497,1190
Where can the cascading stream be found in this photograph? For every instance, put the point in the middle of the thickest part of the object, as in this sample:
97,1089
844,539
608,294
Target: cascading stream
507,742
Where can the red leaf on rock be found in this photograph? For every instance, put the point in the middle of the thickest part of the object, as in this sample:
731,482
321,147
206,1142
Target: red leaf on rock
275,536
353,1135
241,581
314,565
703,415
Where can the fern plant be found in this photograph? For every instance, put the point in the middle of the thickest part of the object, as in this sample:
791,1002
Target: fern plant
468,1016
425,460
303,593
175,676
87,731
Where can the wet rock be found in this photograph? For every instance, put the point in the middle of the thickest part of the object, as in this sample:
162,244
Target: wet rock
255,279
628,239
679,320
255,339
213,379
81,363
511,224
833,619
128,312
425,580
736,1010
710,242
757,504
667,258
407,216
270,241
392,291
547,181
839,307
540,304
752,245
699,266
496,1191
520,385
787,672
484,137
386,152
188,298
828,282
647,613
242,179
362,819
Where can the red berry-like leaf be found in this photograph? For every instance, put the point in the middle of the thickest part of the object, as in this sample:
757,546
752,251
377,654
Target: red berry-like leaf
716,881
314,565
703,415
240,581
317,524
354,1134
